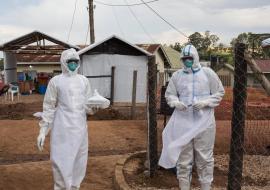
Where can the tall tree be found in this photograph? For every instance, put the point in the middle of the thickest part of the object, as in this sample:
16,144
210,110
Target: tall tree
203,42
253,42
177,46
196,39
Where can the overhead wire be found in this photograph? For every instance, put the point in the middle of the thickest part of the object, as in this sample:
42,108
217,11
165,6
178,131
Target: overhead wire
171,25
139,22
86,39
117,20
123,5
72,21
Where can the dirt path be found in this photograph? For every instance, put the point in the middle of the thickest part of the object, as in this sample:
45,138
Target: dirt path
23,167
38,175
18,139
18,151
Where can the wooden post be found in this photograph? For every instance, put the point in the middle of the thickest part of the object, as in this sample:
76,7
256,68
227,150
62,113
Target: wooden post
152,116
238,119
112,84
258,74
91,21
134,89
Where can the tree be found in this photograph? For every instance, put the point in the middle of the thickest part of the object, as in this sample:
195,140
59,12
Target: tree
203,43
177,46
253,42
196,39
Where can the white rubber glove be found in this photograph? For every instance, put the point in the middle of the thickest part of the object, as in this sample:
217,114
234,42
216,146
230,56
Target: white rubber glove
41,137
95,109
200,105
179,105
91,110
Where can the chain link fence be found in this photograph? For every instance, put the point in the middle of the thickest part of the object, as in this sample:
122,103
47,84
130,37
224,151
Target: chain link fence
249,164
242,148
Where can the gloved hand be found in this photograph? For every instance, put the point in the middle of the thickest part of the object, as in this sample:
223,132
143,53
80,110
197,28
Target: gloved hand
200,105
41,138
179,105
91,110
95,109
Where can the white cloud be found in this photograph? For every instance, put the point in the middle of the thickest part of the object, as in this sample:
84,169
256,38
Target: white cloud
226,18
170,37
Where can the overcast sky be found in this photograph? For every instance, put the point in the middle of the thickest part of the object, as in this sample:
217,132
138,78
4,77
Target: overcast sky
225,18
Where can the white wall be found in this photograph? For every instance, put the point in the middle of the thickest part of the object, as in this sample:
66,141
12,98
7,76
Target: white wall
93,65
159,62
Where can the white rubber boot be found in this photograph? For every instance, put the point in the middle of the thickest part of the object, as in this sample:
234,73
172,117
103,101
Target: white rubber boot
205,186
184,185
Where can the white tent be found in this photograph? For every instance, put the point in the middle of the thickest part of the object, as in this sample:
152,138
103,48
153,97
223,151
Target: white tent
98,59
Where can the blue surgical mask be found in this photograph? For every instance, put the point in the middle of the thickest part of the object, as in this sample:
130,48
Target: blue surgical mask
72,65
188,63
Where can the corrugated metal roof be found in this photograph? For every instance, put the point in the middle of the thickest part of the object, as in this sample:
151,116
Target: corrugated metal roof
86,49
151,48
264,65
20,42
32,57
174,57
37,58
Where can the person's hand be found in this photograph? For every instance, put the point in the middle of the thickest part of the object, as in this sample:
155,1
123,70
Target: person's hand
179,105
95,109
40,141
41,138
200,105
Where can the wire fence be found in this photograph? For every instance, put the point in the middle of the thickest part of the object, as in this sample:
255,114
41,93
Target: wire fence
243,130
152,116
249,150
242,147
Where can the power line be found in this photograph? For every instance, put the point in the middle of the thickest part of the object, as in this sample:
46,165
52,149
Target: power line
117,20
88,29
139,22
182,33
123,5
75,7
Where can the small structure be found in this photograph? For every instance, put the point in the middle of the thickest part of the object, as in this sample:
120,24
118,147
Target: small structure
174,60
226,74
110,66
162,60
34,43
264,66
38,63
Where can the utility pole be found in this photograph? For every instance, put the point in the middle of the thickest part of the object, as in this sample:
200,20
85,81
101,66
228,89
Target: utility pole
91,21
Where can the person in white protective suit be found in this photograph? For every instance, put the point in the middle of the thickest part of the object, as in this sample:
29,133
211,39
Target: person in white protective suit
64,111
189,136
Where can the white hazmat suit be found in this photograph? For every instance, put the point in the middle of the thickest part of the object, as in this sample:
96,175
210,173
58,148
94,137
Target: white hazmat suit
64,109
190,132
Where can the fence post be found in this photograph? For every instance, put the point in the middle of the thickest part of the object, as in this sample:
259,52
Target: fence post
238,119
152,116
112,84
134,89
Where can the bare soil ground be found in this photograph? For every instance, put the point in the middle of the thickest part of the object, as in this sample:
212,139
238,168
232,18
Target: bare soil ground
255,175
23,167
258,107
